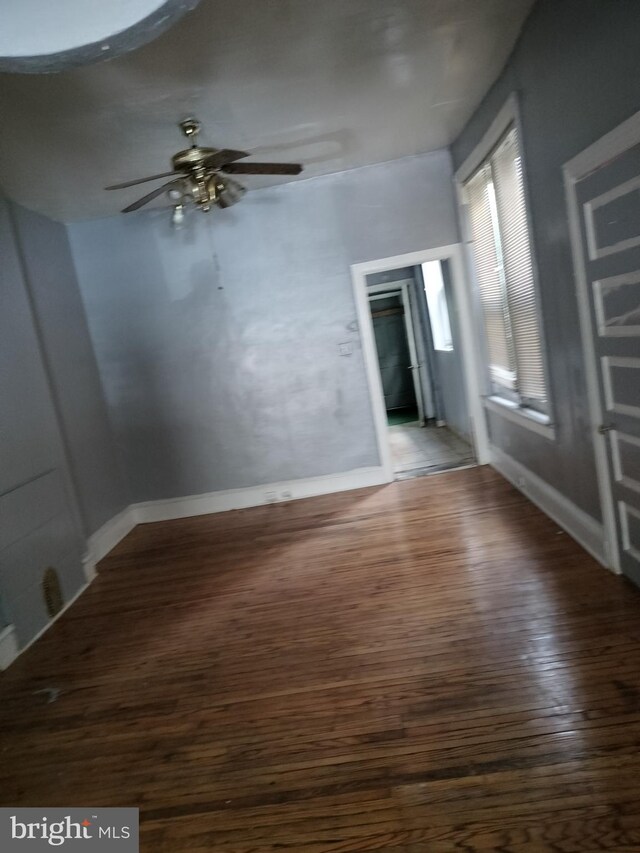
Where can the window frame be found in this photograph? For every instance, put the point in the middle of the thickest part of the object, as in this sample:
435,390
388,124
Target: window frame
499,400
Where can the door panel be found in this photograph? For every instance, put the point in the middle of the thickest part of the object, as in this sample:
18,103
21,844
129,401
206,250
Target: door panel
616,305
609,201
626,459
394,359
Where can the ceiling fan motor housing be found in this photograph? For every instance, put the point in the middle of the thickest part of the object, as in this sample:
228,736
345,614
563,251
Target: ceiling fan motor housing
192,158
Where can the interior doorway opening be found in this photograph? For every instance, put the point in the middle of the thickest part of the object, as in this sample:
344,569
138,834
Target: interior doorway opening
419,359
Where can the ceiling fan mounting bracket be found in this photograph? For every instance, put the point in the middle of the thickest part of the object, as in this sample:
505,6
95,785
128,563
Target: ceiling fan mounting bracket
190,127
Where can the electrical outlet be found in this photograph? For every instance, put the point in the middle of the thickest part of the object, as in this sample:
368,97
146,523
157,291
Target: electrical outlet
346,348
286,496
270,497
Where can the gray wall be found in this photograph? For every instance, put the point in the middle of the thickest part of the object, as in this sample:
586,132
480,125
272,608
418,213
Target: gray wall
71,365
218,345
577,74
41,335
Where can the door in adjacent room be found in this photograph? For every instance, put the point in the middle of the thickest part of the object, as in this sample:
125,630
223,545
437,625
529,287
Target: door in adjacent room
394,357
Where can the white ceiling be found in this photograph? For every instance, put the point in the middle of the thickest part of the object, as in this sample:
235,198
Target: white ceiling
333,84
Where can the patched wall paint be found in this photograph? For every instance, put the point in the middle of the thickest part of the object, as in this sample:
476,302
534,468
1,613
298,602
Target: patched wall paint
218,345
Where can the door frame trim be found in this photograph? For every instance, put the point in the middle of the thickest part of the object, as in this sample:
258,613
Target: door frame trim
469,345
610,145
402,288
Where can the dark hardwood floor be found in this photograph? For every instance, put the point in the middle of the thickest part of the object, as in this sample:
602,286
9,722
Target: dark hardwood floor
428,666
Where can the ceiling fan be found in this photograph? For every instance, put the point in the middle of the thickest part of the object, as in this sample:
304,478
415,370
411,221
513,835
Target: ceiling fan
200,176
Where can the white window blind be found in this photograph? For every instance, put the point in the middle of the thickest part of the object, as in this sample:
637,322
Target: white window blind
498,216
490,277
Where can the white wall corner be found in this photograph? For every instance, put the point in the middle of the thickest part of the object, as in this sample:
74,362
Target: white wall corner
586,530
8,646
223,501
106,538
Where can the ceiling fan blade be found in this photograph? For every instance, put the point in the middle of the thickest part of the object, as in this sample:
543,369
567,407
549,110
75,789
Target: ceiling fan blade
262,168
141,181
226,155
149,197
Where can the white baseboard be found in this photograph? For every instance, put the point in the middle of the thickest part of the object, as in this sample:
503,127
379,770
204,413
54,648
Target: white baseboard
576,522
111,533
223,501
89,567
8,646
106,538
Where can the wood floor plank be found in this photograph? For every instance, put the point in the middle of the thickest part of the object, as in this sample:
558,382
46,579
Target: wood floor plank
426,666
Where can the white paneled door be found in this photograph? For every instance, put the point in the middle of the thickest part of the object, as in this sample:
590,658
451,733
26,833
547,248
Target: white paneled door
604,197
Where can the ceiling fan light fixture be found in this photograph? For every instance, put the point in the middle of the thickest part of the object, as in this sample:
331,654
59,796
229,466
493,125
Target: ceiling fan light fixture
177,216
215,186
231,193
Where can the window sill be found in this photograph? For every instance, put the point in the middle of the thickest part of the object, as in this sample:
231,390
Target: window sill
527,418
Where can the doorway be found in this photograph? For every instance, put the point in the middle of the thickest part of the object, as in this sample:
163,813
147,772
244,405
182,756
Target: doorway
417,364
394,333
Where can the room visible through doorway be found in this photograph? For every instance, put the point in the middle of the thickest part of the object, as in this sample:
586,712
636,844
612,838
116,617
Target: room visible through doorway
417,345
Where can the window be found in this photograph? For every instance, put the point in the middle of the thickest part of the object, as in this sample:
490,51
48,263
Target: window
498,219
437,305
